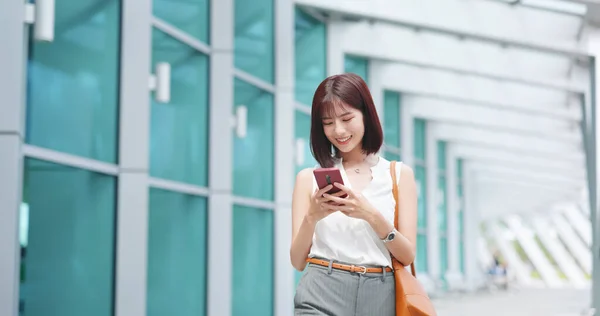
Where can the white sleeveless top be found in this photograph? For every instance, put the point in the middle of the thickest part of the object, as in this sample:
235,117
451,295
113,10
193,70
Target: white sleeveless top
350,240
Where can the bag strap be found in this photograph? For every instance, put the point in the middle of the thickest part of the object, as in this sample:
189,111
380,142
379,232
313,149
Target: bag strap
395,192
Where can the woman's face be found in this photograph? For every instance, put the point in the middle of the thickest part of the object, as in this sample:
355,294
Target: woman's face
344,128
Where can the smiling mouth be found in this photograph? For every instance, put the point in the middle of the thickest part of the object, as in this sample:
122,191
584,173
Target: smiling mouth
343,141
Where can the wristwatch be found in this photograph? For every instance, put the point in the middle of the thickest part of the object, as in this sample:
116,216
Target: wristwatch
390,236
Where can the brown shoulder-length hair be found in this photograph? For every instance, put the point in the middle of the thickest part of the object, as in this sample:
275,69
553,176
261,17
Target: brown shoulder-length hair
347,90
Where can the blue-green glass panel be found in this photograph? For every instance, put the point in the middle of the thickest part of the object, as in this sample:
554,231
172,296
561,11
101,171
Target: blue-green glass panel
441,155
419,137
67,251
459,168
253,155
391,156
460,223
302,131
357,65
391,126
179,129
461,243
461,251
310,56
253,255
421,257
254,38
442,204
443,256
177,253
73,81
192,17
459,190
421,179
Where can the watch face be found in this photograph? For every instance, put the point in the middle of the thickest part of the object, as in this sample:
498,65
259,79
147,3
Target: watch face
391,236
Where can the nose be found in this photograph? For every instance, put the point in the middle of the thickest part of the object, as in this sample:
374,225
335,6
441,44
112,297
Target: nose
339,129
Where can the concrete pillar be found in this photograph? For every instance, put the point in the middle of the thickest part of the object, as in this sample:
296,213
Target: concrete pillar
284,154
13,57
433,237
134,139
220,210
335,55
453,275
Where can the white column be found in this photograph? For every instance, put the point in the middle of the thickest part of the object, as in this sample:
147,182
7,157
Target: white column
132,205
433,238
526,239
580,251
580,223
473,272
284,155
376,87
594,50
549,238
335,55
453,275
220,211
407,127
12,106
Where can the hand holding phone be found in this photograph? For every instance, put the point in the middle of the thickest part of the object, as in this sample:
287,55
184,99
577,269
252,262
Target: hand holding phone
329,176
320,206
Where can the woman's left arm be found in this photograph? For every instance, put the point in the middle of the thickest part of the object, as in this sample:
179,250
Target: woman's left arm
403,247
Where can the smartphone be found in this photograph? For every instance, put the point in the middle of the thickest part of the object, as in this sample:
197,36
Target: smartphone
327,176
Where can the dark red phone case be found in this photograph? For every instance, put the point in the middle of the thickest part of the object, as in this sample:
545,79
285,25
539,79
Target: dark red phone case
326,176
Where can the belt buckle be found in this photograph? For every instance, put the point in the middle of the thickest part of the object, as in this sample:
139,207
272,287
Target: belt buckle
363,268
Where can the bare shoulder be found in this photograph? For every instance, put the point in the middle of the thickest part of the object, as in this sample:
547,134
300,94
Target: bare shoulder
304,179
406,173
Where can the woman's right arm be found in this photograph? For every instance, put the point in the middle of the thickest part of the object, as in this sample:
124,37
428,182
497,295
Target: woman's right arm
303,225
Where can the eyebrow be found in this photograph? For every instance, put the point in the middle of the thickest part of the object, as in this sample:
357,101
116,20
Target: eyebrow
329,118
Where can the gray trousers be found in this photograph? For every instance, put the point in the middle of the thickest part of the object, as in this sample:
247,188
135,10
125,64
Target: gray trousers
327,291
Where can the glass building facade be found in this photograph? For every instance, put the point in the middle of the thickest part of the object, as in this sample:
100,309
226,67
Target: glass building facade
133,201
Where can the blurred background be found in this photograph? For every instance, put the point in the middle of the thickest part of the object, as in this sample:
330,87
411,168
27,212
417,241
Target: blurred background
148,149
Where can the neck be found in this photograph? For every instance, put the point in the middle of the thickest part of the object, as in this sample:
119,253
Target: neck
355,156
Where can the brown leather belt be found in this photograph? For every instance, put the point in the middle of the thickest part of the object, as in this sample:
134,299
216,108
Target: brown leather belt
346,267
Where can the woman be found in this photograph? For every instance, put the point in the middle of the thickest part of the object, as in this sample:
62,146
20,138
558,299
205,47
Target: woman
347,242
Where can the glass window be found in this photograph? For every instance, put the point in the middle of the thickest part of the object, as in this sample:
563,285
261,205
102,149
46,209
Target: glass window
421,257
391,156
73,82
419,129
443,256
192,17
461,251
421,179
253,156
391,125
459,168
179,129
67,244
253,255
311,55
254,43
357,65
302,127
177,252
441,158
442,204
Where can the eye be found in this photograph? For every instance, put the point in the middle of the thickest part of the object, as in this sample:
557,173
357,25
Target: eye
348,119
327,123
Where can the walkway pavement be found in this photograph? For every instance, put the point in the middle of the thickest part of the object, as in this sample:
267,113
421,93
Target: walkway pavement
523,302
